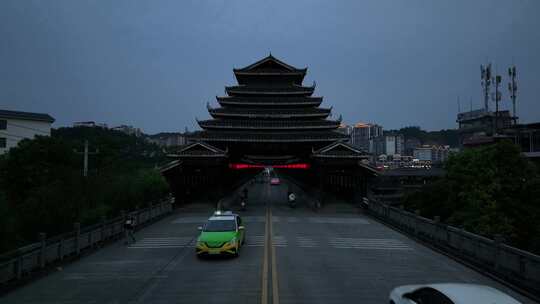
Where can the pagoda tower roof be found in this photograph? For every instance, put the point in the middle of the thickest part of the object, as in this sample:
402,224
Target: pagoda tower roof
270,64
269,67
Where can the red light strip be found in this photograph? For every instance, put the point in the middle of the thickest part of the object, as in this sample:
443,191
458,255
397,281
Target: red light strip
237,166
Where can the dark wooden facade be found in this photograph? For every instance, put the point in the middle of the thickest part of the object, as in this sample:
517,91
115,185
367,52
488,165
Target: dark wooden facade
268,118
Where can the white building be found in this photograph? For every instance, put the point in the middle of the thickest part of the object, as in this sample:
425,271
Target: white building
388,144
435,154
423,153
16,126
90,124
168,139
129,130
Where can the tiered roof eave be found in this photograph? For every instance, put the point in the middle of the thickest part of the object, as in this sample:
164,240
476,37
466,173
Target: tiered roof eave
294,90
269,114
268,125
308,101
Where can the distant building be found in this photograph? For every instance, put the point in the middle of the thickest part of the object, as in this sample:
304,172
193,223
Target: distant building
89,124
411,144
434,154
345,129
475,127
422,153
393,184
389,144
363,135
169,139
129,130
16,126
526,136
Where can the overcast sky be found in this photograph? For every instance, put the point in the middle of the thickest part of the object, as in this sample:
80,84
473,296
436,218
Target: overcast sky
155,64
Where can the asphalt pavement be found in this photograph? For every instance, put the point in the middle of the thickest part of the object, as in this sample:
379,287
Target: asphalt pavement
334,255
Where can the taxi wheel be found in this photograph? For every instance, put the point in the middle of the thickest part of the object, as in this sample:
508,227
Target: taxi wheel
236,252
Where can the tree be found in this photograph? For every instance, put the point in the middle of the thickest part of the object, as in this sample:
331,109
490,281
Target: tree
490,190
42,188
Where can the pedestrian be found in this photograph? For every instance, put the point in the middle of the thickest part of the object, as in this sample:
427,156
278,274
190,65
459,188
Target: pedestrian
129,227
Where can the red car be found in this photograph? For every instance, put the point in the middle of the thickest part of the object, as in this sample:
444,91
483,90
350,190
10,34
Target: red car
274,181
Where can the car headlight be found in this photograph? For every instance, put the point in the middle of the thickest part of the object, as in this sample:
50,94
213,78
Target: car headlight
232,242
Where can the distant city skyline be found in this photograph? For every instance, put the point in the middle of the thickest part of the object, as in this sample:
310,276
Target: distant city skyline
155,65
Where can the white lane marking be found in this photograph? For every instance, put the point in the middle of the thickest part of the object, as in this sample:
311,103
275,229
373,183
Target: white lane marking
255,240
190,220
159,243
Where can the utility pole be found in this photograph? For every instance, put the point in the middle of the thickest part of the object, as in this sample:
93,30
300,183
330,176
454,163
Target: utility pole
85,157
497,98
512,88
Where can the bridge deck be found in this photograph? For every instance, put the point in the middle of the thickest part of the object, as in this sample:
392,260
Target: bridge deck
333,256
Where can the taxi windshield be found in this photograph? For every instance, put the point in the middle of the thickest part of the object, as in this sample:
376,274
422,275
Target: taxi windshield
220,225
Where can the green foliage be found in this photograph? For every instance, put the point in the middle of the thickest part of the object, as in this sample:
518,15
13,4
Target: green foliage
490,190
42,188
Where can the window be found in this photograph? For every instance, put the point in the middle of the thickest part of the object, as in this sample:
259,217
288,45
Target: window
220,226
2,142
3,124
428,296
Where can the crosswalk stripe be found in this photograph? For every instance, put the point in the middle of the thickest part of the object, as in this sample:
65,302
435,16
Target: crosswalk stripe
367,243
337,220
279,241
254,219
162,242
190,220
155,247
306,242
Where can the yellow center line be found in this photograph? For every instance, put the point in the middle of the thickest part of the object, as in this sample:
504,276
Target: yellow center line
264,293
275,286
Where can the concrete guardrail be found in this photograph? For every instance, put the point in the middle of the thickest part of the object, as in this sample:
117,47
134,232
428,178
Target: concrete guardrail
25,260
513,265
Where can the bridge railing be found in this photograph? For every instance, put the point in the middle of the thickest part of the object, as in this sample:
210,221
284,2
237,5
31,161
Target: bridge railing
513,265
25,260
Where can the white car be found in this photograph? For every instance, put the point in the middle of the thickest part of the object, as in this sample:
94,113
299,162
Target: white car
449,293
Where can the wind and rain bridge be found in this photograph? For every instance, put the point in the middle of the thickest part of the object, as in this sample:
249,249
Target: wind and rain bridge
326,250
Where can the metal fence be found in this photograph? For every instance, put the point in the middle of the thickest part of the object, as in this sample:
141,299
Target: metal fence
513,265
25,260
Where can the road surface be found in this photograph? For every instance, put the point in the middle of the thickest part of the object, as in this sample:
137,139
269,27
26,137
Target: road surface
336,255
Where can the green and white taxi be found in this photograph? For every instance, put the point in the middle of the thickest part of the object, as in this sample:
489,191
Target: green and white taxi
223,233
